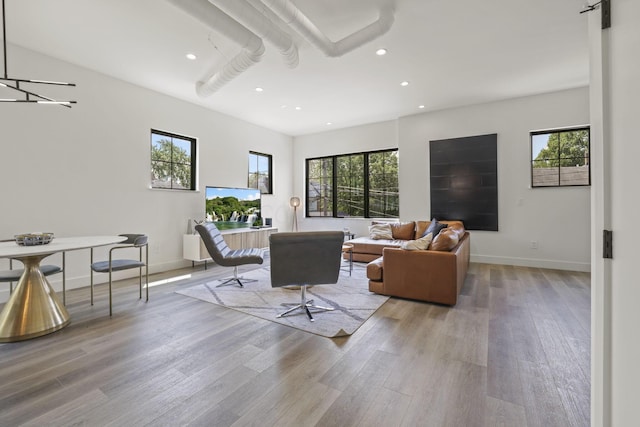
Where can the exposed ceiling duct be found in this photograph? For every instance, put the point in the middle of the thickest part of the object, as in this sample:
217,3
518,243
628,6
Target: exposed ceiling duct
290,14
225,16
216,19
262,26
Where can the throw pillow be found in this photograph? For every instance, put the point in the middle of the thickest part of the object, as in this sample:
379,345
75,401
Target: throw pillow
434,228
446,240
380,231
420,244
400,230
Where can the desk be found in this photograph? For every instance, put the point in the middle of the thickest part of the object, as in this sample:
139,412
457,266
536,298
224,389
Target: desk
34,308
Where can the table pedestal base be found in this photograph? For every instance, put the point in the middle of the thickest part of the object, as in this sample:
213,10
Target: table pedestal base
33,309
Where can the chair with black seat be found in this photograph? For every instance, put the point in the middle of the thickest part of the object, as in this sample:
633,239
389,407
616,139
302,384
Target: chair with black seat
14,275
303,259
226,257
133,241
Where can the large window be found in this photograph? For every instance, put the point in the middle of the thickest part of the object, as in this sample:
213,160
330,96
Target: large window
353,185
260,172
560,158
173,161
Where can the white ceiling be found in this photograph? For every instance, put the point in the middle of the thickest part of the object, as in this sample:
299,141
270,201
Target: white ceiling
453,52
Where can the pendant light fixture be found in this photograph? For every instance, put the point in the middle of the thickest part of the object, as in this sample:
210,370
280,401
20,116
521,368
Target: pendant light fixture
19,84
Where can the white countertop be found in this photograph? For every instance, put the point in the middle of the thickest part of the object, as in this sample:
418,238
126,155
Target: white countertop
58,244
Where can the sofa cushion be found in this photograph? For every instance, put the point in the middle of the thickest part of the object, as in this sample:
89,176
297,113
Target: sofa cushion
421,227
400,230
456,226
374,269
366,245
403,230
446,240
380,231
420,244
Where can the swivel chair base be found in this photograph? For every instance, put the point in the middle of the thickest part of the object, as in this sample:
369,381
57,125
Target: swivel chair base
304,305
235,279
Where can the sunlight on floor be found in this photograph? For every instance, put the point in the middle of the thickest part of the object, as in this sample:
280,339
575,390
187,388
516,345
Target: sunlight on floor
169,280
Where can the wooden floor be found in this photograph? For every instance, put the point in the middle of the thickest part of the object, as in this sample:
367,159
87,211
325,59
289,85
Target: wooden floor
515,351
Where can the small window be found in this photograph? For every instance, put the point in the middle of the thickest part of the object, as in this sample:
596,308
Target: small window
560,158
260,172
173,161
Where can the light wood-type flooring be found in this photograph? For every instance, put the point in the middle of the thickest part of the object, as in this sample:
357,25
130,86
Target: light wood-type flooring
515,351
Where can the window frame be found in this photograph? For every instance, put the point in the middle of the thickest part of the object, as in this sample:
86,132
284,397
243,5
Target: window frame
192,163
269,158
334,184
559,184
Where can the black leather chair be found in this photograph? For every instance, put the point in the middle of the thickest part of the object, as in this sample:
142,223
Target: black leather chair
305,258
137,241
226,257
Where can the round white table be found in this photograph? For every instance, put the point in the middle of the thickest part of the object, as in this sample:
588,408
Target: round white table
34,309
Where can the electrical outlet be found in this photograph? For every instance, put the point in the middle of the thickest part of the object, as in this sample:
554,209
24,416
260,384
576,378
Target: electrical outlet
533,244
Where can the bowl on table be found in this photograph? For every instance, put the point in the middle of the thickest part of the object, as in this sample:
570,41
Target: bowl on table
33,239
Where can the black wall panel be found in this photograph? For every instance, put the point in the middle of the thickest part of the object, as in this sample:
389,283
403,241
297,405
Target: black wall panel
464,180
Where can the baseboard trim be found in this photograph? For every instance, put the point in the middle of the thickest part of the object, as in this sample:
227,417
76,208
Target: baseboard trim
532,262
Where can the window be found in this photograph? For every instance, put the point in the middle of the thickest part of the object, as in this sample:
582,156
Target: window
353,185
173,161
320,187
350,185
560,158
383,184
260,172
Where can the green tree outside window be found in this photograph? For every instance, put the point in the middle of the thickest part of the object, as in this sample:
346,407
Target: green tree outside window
354,185
560,158
172,161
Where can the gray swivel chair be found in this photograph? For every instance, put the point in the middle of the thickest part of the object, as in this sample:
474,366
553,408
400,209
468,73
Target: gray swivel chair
305,258
226,257
12,275
137,241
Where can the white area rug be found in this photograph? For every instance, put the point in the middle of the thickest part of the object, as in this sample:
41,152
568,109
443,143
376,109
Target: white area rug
352,302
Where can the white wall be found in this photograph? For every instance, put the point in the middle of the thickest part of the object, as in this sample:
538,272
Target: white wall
557,218
86,170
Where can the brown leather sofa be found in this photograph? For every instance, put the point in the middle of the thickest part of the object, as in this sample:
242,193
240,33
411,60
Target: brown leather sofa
425,275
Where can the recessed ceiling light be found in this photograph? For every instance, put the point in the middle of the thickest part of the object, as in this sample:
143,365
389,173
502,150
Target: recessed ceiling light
420,106
329,123
298,108
259,89
381,52
191,56
404,83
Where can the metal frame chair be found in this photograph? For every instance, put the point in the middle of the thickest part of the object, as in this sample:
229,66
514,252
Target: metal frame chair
12,275
133,241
